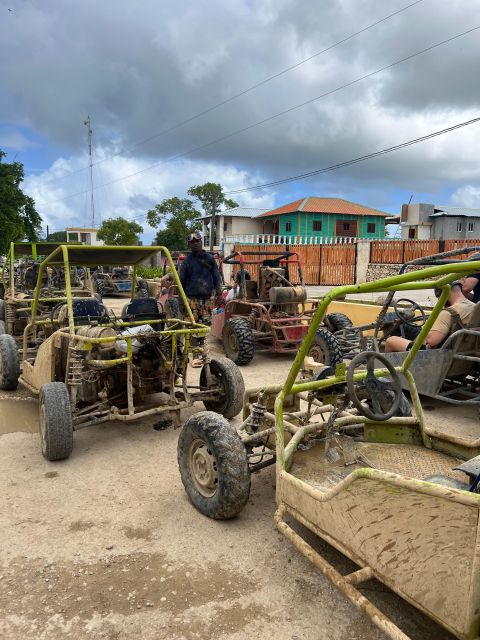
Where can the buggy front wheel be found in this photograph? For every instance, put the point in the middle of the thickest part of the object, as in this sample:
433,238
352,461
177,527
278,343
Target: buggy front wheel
56,425
224,379
325,348
213,466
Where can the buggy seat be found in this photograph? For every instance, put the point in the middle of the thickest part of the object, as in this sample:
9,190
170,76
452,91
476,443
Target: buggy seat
85,311
141,309
463,343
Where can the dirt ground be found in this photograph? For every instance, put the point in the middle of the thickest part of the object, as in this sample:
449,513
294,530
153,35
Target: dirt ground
107,545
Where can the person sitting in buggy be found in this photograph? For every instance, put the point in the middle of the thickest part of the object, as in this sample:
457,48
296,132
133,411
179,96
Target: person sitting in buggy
457,313
234,291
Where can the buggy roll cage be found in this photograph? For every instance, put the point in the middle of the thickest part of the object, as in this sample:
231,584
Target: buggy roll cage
283,258
433,260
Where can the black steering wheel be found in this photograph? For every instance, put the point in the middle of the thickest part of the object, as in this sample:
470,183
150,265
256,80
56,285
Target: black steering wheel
407,315
374,389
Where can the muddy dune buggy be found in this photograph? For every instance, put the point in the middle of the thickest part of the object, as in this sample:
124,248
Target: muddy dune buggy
398,498
95,367
451,372
117,280
19,279
272,314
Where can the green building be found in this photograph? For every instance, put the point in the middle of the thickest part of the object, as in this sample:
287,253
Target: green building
324,218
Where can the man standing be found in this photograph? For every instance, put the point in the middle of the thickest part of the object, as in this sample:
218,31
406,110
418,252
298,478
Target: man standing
200,279
457,306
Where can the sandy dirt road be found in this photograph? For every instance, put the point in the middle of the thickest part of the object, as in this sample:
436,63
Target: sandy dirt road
106,545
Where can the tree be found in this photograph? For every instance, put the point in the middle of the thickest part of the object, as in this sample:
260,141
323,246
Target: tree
118,231
19,219
57,236
211,197
178,216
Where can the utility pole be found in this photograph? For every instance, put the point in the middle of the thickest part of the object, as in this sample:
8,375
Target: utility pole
47,233
90,132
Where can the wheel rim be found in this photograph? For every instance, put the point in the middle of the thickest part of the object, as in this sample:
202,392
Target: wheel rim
318,354
203,468
232,342
43,428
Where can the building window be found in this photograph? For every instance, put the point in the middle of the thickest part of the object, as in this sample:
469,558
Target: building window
225,226
371,227
85,238
459,226
470,226
72,237
288,227
317,225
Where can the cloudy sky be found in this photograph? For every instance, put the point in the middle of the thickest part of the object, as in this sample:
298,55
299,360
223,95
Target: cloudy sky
142,69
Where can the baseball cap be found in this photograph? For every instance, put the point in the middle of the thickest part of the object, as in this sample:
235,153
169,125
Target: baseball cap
195,235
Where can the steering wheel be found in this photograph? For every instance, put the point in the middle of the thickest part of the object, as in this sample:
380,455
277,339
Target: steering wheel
375,389
407,316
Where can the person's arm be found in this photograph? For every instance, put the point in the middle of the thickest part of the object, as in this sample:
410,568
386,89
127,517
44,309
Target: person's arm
183,273
440,330
469,285
217,280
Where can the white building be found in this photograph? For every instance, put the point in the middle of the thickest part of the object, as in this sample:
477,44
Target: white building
439,222
85,235
232,222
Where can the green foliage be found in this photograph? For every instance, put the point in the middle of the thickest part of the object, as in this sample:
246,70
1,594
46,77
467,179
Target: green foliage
149,272
19,219
211,197
177,216
119,231
57,236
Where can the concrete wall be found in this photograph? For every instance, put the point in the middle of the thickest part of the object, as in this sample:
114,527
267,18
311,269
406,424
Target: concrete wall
445,227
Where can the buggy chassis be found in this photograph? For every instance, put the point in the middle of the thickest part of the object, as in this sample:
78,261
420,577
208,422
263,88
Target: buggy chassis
16,307
104,368
438,373
270,314
399,501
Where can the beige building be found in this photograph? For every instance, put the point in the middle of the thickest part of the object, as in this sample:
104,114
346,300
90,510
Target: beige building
231,222
85,235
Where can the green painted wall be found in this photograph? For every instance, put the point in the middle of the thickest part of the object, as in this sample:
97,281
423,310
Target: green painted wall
328,224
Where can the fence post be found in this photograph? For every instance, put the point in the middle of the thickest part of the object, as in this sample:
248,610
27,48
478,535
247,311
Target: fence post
362,260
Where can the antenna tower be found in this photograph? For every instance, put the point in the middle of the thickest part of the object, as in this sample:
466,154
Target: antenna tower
90,132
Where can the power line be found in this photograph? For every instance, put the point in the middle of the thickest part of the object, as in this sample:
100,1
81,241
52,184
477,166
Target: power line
347,163
233,97
277,115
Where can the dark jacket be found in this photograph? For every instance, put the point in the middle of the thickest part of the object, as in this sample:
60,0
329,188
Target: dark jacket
199,275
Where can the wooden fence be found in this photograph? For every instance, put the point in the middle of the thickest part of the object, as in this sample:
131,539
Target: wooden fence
321,264
400,251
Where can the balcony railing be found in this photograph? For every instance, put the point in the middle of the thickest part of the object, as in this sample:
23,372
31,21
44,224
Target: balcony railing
272,238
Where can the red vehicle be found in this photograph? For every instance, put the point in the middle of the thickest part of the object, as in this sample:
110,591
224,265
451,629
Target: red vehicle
271,313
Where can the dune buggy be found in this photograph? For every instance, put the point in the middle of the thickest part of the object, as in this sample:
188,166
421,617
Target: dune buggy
271,313
19,278
397,497
95,367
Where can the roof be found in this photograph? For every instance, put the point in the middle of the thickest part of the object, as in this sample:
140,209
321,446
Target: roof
239,212
325,205
34,248
80,229
88,256
441,210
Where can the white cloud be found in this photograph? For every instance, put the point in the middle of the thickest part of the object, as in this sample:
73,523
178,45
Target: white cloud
467,196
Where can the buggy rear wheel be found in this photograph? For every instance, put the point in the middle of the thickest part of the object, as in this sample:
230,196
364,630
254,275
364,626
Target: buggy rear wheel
213,466
337,321
56,425
325,348
9,363
225,376
238,340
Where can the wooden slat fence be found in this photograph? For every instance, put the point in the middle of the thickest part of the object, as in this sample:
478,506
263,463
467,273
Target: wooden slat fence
321,264
386,251
451,245
337,264
420,249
